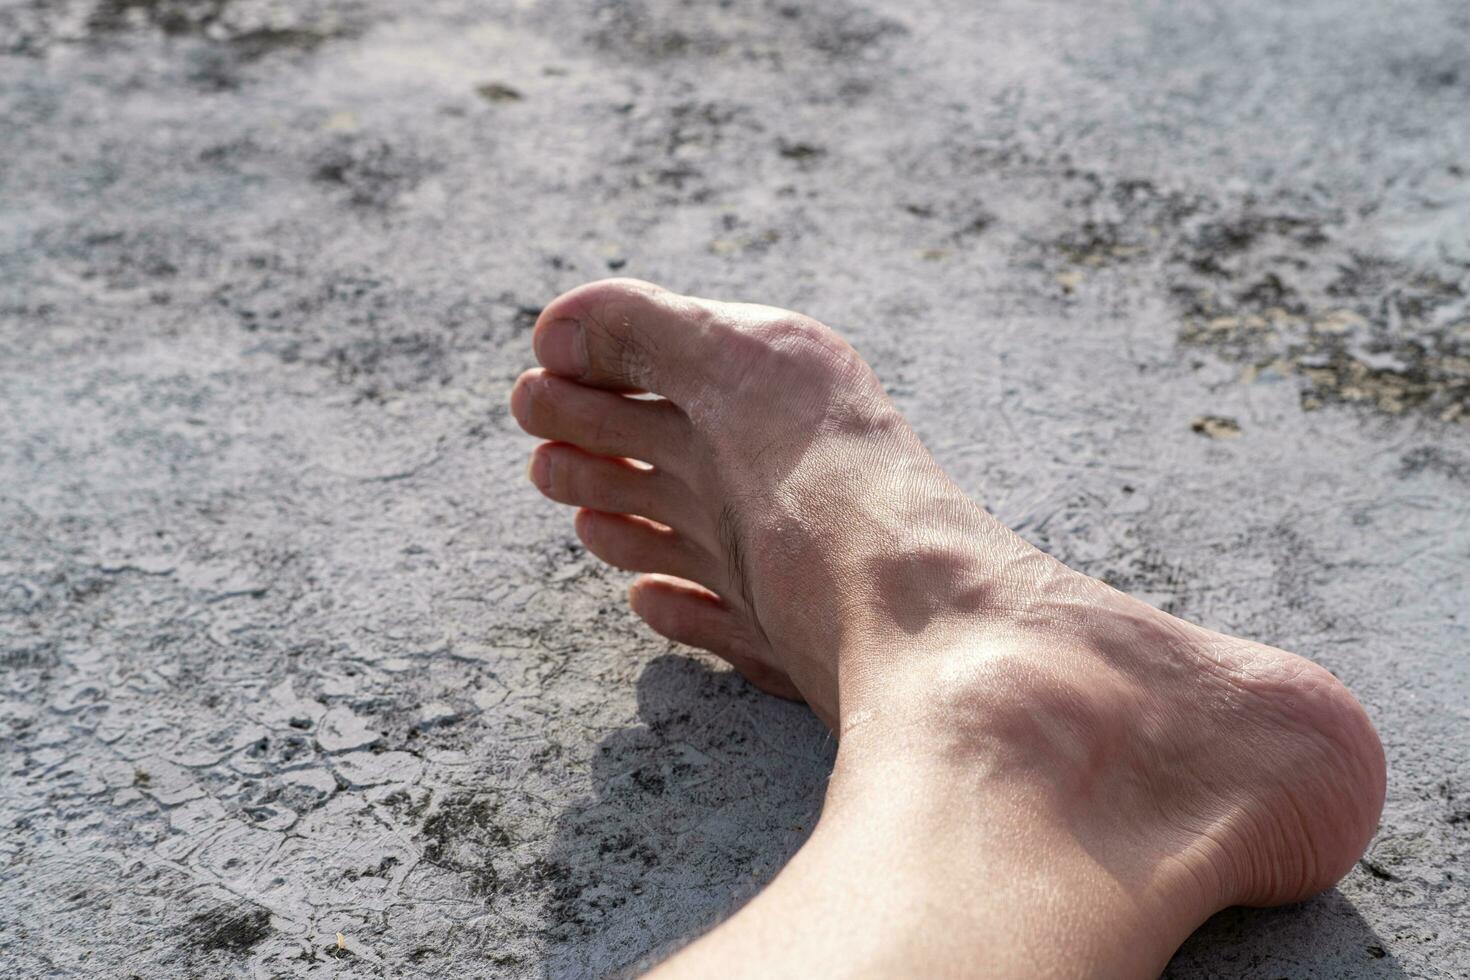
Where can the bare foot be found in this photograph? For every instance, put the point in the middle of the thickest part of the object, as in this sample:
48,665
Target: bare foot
796,527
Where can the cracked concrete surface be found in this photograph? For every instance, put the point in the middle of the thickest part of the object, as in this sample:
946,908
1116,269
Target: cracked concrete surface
290,647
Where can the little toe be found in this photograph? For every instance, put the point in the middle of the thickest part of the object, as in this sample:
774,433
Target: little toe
687,613
601,422
636,544
568,475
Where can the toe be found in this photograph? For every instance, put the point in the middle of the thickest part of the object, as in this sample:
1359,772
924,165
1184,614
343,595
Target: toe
601,422
640,545
628,335
624,334
568,475
688,614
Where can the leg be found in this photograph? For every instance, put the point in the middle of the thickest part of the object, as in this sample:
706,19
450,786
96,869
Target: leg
1037,775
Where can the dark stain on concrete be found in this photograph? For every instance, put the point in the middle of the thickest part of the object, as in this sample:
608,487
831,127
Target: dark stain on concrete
463,833
210,20
373,172
1434,459
231,930
756,32
1266,285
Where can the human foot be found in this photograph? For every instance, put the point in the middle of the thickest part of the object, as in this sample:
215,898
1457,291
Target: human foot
798,529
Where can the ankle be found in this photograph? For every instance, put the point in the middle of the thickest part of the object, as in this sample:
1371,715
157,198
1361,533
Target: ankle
974,823
991,696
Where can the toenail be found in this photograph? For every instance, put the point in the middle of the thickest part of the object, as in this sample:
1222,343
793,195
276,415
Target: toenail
541,470
562,348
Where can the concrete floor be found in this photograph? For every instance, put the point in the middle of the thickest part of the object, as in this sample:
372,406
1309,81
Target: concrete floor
290,647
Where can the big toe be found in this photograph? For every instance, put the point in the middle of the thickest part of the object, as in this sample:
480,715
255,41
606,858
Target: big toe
624,334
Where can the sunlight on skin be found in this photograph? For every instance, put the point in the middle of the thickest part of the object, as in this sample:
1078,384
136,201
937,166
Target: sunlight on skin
1037,775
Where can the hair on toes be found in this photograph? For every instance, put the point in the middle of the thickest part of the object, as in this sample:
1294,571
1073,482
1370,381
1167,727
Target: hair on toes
627,356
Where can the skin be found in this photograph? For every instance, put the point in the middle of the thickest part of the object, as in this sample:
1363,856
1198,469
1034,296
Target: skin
1037,775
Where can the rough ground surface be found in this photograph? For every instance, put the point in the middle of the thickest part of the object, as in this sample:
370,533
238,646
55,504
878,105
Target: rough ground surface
290,647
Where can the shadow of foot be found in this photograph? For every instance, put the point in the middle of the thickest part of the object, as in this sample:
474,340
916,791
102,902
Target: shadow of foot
1324,938
695,811
697,808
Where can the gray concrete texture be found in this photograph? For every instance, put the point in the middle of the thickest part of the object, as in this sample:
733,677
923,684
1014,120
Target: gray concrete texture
290,646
